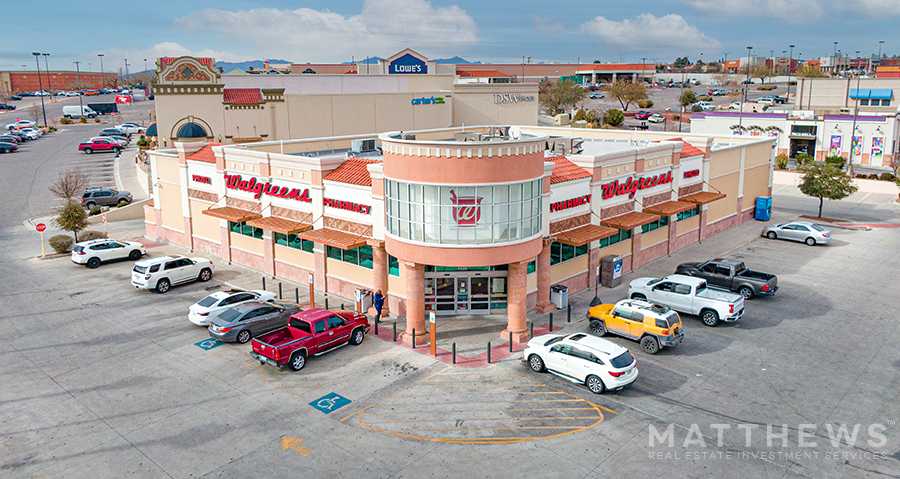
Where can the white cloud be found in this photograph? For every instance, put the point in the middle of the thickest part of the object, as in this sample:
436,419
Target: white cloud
877,9
114,58
669,34
382,28
545,25
796,11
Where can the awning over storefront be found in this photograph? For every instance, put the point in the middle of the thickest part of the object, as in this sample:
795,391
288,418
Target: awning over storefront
280,225
872,93
584,234
231,213
669,208
338,239
629,221
702,197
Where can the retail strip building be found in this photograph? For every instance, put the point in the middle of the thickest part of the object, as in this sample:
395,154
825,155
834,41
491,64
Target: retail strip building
461,221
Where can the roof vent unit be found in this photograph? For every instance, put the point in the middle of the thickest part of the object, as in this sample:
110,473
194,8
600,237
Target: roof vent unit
500,131
407,136
467,136
362,146
565,146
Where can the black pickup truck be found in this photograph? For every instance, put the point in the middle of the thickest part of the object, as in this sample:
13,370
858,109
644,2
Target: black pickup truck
732,275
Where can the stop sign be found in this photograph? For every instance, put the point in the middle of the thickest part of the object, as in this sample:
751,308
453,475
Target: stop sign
41,227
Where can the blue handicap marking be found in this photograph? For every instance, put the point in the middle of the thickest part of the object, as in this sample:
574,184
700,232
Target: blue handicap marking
208,344
330,402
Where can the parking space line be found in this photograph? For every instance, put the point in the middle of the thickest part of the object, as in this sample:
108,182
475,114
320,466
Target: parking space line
348,417
503,428
486,410
511,400
487,419
482,394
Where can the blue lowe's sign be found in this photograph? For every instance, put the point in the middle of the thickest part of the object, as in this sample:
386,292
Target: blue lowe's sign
408,64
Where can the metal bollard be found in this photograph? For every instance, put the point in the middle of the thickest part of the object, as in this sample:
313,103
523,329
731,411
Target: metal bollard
569,314
264,282
280,296
376,328
454,353
510,341
395,332
414,338
531,328
326,303
489,352
297,295
551,322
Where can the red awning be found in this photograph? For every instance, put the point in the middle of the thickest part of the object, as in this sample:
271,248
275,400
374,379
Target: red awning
231,213
702,197
584,234
669,208
280,225
338,239
629,221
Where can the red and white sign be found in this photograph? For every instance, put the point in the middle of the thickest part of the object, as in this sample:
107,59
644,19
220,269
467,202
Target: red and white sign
467,211
347,205
123,99
41,227
234,182
691,173
202,179
566,204
104,217
631,187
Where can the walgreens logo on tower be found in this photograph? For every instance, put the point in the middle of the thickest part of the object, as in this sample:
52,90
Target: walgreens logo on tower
632,185
235,182
467,209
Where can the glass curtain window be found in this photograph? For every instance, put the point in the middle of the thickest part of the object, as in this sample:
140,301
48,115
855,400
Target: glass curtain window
292,241
361,256
662,221
689,213
560,253
622,235
246,230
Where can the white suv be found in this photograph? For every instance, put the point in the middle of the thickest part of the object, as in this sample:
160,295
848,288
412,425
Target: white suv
92,253
209,308
161,273
583,359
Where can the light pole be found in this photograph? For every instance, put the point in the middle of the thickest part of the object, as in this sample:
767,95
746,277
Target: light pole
834,59
790,66
80,101
102,77
37,59
681,99
744,90
47,64
725,62
643,59
880,43
125,79
853,130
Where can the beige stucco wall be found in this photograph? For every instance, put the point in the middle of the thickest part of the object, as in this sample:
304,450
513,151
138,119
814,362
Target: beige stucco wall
620,249
659,235
689,224
295,257
246,243
569,268
172,108
756,183
202,225
170,204
725,161
349,272
728,205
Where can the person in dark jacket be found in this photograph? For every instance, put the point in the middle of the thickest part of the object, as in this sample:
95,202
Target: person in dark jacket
378,302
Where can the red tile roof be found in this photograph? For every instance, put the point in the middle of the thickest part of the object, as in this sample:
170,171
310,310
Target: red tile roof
617,66
242,96
481,73
688,149
353,171
205,154
166,60
565,170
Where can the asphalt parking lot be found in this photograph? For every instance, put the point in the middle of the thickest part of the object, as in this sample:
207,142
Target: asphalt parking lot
106,380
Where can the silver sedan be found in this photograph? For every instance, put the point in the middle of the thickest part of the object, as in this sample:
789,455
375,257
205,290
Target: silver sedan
251,319
803,231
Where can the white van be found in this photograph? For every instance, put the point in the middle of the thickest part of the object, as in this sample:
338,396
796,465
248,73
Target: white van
76,111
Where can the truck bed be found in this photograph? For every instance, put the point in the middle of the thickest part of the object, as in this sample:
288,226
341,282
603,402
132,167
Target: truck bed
764,277
281,337
718,294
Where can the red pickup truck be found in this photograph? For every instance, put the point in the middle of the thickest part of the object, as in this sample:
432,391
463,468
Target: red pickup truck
309,333
101,144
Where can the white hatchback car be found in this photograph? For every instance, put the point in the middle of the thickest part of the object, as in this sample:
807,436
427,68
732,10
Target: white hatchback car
92,253
161,273
209,308
599,364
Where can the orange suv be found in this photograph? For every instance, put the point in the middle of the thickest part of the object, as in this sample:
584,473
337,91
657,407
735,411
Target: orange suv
653,324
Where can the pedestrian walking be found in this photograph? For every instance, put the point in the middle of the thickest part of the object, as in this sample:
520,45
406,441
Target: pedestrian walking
378,302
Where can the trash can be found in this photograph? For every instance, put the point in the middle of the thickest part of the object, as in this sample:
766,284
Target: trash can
365,298
763,208
611,271
559,295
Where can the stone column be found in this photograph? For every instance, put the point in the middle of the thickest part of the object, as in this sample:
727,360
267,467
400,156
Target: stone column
415,302
517,306
673,234
226,240
635,248
320,275
703,228
380,273
543,287
269,252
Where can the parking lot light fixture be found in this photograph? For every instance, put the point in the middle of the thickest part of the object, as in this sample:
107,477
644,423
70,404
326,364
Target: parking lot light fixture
37,60
790,66
102,78
80,101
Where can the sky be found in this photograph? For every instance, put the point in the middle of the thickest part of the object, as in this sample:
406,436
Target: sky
320,31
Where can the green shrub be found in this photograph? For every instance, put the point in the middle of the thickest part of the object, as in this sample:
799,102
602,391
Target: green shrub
88,235
803,159
873,176
781,161
61,243
696,109
614,117
96,120
82,120
704,98
862,176
887,177
835,161
65,121
676,117
51,129
645,104
766,87
95,210
792,83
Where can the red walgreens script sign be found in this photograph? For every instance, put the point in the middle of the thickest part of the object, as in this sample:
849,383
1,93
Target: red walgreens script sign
467,211
234,182
632,186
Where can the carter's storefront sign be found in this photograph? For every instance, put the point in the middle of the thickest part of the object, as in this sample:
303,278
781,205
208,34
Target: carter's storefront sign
566,204
511,98
235,182
435,100
632,185
408,64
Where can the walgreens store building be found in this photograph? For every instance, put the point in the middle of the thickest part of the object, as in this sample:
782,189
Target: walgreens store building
461,222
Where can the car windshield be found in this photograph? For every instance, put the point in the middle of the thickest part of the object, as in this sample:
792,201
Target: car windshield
817,227
229,315
79,249
207,301
137,269
654,281
554,340
622,361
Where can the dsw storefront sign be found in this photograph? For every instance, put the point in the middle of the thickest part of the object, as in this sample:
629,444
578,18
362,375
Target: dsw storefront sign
511,98
235,182
632,185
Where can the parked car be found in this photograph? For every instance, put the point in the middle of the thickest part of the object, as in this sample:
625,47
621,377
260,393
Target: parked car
11,139
599,364
780,99
30,133
642,115
105,196
597,96
747,82
15,97
706,106
656,118
132,128
78,111
209,308
161,273
766,101
114,132
653,325
7,106
690,295
21,124
717,92
309,333
7,147
102,144
94,252
90,92
804,231
249,320
18,134
732,275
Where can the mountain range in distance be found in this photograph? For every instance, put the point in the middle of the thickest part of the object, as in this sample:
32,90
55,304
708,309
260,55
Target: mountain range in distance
228,66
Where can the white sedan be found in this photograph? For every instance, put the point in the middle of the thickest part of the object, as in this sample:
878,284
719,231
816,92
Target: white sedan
20,124
132,128
656,118
597,363
209,308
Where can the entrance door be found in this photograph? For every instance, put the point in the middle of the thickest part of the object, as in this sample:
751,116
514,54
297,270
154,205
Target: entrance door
480,295
445,298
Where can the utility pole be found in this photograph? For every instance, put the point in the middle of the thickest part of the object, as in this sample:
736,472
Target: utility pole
744,89
681,98
37,59
47,64
853,129
102,77
80,101
834,59
790,66
880,43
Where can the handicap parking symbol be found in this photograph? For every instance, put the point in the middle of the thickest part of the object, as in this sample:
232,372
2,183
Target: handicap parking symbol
330,402
208,344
